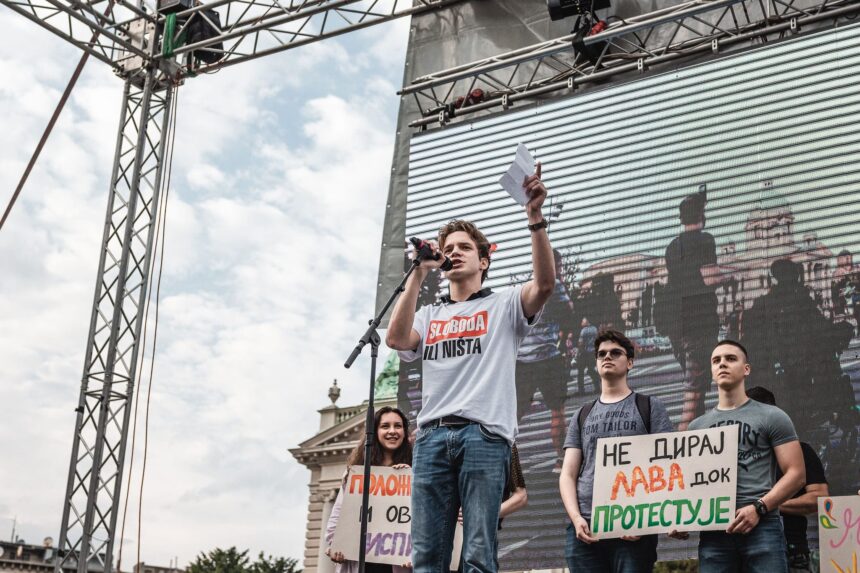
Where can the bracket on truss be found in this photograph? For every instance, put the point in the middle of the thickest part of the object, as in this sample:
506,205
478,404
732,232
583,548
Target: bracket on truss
138,32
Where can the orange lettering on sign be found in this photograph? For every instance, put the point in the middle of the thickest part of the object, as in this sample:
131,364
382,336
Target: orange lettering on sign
655,480
676,477
621,481
637,479
382,485
655,475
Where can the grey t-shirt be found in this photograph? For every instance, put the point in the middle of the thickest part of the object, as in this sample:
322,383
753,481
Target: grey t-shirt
608,421
761,428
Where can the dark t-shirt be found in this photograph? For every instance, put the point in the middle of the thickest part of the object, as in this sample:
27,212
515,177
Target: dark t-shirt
685,257
795,525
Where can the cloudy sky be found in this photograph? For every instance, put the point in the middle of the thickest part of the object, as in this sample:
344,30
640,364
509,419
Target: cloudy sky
274,221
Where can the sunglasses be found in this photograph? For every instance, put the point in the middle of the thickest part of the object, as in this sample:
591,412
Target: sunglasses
614,354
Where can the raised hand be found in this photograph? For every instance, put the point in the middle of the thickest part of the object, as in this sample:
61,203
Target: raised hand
535,190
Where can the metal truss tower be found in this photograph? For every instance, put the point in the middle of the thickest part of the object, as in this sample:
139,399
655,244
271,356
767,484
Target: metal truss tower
127,35
92,500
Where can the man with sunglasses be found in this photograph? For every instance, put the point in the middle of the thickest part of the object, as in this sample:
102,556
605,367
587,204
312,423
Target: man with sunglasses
618,412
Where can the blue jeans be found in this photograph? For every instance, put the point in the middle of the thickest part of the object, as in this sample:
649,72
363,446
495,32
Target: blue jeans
610,555
450,464
762,549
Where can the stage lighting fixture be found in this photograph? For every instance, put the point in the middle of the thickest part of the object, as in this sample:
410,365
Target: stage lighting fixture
561,9
205,27
200,26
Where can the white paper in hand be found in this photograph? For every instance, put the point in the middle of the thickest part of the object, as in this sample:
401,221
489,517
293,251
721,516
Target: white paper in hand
522,167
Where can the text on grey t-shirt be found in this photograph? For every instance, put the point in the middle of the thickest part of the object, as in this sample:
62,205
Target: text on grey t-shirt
761,428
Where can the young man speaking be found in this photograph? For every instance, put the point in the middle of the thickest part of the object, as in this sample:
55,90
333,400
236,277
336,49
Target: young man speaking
468,345
754,540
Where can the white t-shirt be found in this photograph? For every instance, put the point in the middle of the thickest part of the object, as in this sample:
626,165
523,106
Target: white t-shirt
469,353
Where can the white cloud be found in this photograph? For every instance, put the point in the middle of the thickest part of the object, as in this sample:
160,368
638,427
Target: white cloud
205,176
274,219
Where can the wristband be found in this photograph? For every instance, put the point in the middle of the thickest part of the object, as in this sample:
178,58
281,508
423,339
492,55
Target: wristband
542,224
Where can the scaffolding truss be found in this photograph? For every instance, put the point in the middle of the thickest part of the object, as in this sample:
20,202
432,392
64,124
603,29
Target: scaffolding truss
635,44
110,368
117,31
254,28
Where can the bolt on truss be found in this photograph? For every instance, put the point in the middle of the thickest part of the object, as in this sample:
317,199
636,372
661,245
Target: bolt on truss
101,428
630,45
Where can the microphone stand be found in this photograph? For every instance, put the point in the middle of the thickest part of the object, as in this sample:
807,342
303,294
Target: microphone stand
371,337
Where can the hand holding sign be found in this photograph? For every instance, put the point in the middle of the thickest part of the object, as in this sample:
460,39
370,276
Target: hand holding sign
583,530
335,556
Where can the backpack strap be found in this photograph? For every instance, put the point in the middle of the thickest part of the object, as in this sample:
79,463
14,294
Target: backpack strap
583,414
580,421
643,404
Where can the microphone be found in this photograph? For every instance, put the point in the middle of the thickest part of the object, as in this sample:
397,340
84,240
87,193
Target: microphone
424,251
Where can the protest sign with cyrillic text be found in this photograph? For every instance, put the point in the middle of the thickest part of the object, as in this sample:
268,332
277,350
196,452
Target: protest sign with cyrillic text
656,483
389,517
839,533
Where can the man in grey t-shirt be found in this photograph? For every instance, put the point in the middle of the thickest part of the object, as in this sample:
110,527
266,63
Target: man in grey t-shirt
618,412
754,540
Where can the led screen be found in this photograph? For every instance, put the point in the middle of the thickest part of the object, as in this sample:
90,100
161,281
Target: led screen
715,201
